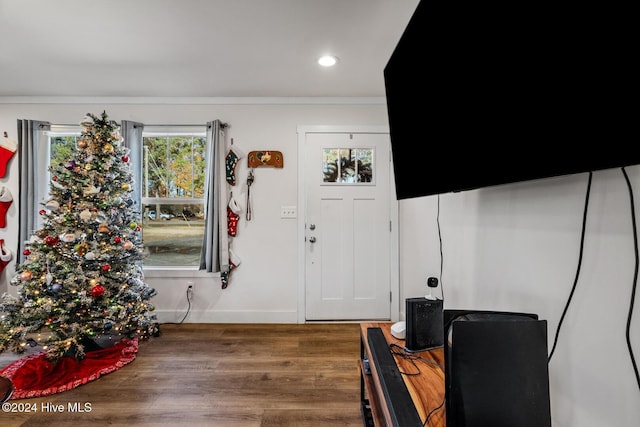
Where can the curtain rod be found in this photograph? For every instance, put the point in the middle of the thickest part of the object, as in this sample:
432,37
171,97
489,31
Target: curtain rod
222,125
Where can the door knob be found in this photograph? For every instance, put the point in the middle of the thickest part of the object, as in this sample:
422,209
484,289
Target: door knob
312,239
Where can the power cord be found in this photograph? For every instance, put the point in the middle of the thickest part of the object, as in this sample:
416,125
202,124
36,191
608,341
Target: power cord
189,294
575,282
635,275
440,240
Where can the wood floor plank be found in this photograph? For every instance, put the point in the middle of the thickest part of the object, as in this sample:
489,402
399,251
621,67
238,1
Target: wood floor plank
228,375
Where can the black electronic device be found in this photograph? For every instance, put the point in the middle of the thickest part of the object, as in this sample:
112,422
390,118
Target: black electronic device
496,371
481,95
424,327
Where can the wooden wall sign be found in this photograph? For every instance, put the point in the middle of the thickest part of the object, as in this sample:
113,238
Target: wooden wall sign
261,158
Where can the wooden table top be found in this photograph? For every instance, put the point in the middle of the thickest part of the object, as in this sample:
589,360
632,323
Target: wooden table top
423,374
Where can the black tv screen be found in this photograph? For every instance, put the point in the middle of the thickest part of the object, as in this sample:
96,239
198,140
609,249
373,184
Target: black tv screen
481,97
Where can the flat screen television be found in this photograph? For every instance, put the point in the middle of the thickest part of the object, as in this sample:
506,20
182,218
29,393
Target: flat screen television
478,96
496,371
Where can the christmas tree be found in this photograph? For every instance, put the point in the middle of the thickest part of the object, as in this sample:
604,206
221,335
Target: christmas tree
82,278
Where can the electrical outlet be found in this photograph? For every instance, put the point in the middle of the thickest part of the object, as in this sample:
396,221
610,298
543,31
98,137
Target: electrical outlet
190,288
288,212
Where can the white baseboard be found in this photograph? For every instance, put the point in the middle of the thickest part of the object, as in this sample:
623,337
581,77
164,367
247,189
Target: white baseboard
227,316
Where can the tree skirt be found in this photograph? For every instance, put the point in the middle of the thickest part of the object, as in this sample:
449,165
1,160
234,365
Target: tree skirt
35,376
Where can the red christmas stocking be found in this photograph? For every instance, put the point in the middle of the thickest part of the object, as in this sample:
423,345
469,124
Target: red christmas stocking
5,256
233,215
7,149
5,201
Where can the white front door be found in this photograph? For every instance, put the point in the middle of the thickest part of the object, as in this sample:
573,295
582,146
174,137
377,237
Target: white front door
348,235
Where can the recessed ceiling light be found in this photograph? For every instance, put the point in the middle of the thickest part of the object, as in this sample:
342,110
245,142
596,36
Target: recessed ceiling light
328,60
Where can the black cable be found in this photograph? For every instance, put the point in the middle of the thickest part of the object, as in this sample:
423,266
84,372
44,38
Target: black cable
426,420
440,240
188,309
575,282
635,275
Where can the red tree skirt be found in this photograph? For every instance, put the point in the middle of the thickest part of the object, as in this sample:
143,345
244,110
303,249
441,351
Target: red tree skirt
35,376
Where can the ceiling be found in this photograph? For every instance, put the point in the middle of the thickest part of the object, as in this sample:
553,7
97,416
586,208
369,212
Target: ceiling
197,48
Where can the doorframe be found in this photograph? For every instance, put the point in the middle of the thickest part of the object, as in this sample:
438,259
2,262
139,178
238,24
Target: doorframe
394,249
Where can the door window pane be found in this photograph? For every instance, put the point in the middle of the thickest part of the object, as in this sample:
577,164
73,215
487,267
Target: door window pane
348,165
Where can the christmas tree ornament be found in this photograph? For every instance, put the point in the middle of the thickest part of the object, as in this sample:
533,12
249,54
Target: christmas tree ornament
127,245
103,228
25,276
52,205
68,237
85,215
107,148
97,291
90,256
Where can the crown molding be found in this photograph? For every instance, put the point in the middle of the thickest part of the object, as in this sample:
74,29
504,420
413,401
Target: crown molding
373,100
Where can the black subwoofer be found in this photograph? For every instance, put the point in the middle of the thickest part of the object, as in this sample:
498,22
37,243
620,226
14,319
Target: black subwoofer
424,324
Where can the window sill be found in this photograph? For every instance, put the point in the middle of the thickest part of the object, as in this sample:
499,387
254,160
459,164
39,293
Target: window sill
165,272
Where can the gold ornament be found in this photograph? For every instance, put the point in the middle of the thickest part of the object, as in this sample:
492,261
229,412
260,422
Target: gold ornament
125,187
82,143
107,148
103,228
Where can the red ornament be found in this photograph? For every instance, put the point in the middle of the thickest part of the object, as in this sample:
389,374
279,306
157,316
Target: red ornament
117,239
106,267
26,252
125,159
54,178
51,241
97,291
42,212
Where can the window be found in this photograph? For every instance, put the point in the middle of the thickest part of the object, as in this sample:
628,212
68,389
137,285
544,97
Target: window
172,190
347,165
173,197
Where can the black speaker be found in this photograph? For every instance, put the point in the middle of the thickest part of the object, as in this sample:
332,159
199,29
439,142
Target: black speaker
496,372
424,324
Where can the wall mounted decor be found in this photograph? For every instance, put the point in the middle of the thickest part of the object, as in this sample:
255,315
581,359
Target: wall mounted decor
260,158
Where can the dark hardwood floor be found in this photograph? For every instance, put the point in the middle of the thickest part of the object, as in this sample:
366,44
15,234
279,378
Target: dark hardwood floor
222,375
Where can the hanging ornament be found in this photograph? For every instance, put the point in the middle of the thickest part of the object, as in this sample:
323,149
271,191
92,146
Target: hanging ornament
25,275
56,287
52,205
127,245
85,215
125,159
97,291
82,143
90,256
68,238
125,186
26,252
133,225
106,267
51,241
103,228
91,190
107,148
117,239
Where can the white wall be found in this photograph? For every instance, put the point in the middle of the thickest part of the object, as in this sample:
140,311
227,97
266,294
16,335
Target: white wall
264,288
515,247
